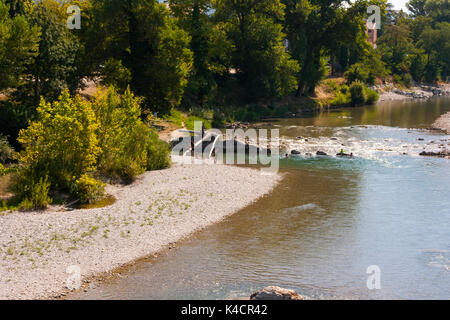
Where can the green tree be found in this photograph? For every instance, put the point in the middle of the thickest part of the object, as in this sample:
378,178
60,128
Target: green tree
193,16
438,10
19,7
121,134
416,7
395,44
435,43
18,46
317,28
54,69
145,38
113,73
62,142
264,68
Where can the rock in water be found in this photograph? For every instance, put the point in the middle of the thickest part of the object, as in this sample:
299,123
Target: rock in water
276,293
434,154
295,152
321,153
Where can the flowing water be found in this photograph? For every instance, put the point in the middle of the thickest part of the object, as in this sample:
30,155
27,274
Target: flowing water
328,220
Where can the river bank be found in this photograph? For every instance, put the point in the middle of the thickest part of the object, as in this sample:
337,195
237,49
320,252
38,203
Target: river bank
327,221
390,93
443,122
161,208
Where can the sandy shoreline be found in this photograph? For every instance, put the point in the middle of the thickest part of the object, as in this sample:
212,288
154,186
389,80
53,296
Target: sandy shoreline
161,208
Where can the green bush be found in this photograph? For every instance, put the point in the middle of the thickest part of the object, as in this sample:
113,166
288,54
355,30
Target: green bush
6,151
407,80
158,153
344,89
341,99
357,72
31,191
88,189
62,142
190,122
175,117
14,117
73,138
2,170
358,93
121,134
115,74
372,96
219,120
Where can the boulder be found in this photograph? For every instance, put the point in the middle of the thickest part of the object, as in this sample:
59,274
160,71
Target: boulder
321,153
295,152
276,293
342,154
442,154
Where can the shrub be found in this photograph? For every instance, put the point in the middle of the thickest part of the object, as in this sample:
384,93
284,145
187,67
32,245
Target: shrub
88,189
31,191
331,84
357,93
115,74
407,80
158,153
122,136
372,96
6,151
341,99
176,117
2,170
357,72
62,142
218,119
397,78
129,147
344,89
190,122
14,117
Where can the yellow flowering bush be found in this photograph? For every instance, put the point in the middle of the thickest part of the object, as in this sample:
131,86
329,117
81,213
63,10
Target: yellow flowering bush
73,138
88,189
62,142
122,135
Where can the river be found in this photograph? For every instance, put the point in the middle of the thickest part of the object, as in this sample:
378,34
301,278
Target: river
327,221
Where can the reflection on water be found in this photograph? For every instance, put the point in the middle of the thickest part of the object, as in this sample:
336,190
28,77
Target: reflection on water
326,222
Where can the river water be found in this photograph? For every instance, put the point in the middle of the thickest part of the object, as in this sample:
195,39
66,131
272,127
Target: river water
327,221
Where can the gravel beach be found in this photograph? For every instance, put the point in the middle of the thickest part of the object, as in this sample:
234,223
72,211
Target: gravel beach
161,208
395,96
443,122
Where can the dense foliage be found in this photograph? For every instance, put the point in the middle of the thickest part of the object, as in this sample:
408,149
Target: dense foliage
73,139
227,59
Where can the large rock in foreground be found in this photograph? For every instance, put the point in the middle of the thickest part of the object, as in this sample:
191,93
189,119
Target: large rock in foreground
276,293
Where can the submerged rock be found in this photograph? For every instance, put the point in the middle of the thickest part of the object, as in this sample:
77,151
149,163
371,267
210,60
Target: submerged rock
276,293
442,154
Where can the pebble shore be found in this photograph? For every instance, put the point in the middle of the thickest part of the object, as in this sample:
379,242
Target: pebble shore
160,208
443,122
